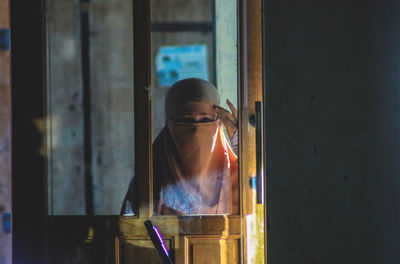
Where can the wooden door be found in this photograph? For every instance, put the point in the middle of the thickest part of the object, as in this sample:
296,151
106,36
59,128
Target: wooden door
191,239
87,236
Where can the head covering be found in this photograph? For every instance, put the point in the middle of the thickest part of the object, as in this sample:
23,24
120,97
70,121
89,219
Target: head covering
189,91
194,169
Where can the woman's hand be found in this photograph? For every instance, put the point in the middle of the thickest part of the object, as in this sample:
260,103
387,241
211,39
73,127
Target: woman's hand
229,119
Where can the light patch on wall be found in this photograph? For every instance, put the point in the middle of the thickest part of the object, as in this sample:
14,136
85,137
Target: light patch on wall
68,48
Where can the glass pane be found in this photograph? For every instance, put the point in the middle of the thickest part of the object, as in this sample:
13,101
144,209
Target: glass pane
194,72
90,105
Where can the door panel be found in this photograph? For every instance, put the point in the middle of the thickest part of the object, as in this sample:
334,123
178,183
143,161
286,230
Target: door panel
138,250
119,109
203,249
186,237
212,250
86,239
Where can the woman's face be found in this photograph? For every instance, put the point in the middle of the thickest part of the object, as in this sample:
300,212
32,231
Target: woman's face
196,112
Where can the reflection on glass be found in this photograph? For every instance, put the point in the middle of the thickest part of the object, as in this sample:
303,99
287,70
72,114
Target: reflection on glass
195,170
194,72
90,105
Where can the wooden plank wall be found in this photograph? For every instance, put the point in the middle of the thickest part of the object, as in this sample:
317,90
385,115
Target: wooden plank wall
111,62
111,111
5,146
66,167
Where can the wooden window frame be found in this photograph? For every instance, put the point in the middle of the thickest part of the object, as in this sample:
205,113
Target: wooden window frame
29,166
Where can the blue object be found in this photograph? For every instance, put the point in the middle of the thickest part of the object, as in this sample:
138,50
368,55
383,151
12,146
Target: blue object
7,223
4,39
158,242
253,183
174,63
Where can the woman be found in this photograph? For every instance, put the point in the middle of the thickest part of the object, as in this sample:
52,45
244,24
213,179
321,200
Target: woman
194,168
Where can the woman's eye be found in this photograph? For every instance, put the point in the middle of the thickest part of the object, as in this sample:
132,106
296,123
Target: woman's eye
193,120
186,120
206,119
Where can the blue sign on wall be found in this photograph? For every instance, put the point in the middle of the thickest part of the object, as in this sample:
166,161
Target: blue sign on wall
174,63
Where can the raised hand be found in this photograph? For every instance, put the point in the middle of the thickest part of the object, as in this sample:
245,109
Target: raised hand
229,119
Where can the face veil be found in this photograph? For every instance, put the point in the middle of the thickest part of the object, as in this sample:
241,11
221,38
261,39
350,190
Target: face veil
194,169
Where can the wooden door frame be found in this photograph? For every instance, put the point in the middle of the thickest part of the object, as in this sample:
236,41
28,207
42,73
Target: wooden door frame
29,164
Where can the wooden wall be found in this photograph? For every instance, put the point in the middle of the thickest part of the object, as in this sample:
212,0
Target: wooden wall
111,61
66,167
5,144
110,111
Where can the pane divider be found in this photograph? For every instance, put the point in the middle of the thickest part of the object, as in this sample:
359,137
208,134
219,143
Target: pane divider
142,107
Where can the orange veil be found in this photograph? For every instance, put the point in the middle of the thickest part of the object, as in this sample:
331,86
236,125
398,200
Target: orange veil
194,169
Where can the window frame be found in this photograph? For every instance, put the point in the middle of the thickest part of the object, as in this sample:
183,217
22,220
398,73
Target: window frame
31,222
